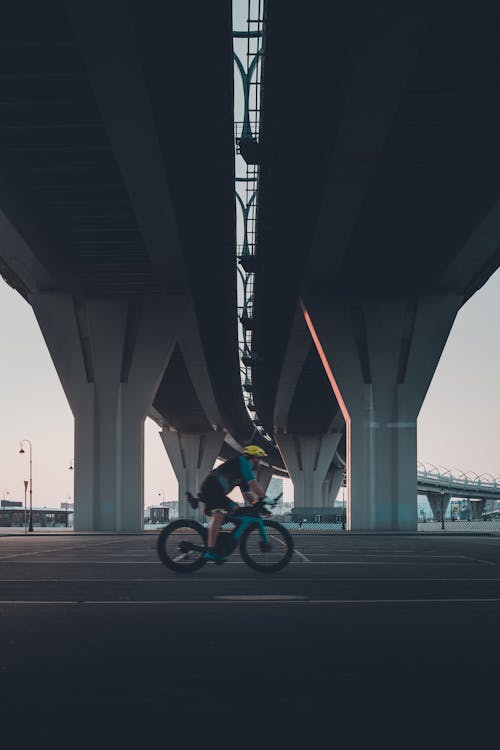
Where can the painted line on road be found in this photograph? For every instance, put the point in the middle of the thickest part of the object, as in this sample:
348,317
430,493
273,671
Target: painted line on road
57,549
306,559
221,580
477,560
277,539
244,600
259,598
156,563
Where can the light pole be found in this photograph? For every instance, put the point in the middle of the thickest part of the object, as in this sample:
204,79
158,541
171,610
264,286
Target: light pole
25,515
25,440
161,493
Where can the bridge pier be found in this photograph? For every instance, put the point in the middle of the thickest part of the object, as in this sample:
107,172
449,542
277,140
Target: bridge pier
380,357
331,486
110,356
192,457
476,508
439,503
307,459
264,476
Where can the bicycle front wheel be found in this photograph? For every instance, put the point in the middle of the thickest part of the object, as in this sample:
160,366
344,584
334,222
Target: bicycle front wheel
181,545
266,557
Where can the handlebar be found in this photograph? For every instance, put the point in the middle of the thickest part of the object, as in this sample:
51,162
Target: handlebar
272,501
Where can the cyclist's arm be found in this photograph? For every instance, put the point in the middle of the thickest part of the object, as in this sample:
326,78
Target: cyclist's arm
256,491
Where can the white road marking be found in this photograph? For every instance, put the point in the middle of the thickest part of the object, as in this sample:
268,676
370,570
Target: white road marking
306,559
475,559
222,580
76,546
259,598
85,562
245,600
445,600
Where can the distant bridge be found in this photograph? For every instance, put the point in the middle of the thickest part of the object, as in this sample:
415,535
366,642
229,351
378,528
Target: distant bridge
440,485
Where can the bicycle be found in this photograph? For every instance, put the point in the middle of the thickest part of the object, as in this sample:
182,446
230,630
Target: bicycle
265,545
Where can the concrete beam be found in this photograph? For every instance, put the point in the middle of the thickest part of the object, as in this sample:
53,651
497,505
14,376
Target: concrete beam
21,266
194,357
387,50
104,31
477,259
299,345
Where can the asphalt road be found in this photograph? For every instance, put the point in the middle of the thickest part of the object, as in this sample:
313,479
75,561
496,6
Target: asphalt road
360,634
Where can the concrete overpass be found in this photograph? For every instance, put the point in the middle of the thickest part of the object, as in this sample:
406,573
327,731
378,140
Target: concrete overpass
378,217
117,224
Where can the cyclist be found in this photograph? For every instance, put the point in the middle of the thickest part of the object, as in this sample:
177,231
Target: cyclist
237,472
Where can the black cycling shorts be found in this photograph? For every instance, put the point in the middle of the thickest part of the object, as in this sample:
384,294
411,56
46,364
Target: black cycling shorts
214,497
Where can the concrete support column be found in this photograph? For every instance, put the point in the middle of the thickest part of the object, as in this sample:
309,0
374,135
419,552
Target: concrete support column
439,503
192,458
110,357
264,476
307,459
476,508
380,357
331,486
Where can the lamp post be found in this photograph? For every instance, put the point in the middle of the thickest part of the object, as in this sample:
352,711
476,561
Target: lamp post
25,440
25,514
161,493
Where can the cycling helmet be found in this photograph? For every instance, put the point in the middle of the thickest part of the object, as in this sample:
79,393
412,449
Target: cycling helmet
254,451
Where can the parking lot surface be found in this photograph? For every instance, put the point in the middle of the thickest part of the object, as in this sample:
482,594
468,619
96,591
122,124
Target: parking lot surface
358,631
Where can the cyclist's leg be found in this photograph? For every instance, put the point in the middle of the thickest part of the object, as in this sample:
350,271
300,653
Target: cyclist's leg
216,521
216,505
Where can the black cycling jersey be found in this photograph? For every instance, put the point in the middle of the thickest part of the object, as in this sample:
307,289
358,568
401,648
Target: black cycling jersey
237,472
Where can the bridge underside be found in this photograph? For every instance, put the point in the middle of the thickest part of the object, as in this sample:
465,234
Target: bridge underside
378,217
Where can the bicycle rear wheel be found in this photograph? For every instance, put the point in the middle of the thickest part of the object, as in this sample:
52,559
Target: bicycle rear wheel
266,558
181,545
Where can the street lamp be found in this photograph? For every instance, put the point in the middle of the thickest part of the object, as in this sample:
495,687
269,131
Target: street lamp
161,493
25,440
25,515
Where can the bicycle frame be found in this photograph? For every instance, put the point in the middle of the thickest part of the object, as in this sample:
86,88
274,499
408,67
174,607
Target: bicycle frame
243,522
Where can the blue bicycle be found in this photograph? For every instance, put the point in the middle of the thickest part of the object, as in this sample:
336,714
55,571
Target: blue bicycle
265,545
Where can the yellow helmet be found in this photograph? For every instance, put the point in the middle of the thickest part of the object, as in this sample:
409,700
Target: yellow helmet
254,451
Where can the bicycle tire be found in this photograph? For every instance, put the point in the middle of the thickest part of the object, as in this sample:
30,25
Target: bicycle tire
257,563
165,551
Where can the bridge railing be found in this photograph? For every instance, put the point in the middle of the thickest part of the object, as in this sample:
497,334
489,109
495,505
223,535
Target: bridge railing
445,478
